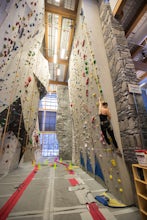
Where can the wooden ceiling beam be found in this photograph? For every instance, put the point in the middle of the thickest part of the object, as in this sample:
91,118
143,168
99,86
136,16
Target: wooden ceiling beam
143,76
60,11
136,20
59,61
140,66
139,48
58,83
118,7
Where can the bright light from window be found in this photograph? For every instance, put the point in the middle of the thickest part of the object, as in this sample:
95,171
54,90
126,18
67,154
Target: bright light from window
58,72
56,40
57,0
62,53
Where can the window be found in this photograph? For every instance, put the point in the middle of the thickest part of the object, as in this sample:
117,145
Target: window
49,102
47,121
47,125
49,144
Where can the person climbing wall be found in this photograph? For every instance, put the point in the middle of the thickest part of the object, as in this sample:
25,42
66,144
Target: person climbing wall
106,127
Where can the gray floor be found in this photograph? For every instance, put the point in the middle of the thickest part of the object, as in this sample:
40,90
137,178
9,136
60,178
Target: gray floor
50,195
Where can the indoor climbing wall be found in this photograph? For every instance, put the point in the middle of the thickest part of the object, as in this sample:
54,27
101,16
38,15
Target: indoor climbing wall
24,70
85,88
63,123
11,150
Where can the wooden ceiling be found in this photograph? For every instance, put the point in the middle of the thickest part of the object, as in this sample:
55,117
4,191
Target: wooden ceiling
132,14
60,11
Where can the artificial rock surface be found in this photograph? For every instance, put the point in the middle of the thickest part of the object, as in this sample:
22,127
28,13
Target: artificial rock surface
24,70
63,123
100,66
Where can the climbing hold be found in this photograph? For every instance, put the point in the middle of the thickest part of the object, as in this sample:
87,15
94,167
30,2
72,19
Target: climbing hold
87,93
120,190
113,162
93,119
111,177
29,79
83,43
83,74
87,81
119,180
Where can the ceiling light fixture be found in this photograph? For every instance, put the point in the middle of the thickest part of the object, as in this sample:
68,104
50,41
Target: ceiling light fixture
55,58
57,0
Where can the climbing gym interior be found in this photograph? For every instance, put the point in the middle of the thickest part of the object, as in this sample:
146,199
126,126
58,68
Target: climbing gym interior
58,59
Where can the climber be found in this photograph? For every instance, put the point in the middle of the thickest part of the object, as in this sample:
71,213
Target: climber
106,127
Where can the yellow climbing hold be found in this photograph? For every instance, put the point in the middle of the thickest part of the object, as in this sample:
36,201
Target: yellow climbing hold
113,162
111,177
119,180
120,190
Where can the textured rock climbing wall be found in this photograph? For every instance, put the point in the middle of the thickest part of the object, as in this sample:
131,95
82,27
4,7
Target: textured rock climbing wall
63,123
24,70
90,78
11,150
122,73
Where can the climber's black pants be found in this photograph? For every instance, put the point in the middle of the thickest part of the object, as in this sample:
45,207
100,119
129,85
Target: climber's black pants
106,128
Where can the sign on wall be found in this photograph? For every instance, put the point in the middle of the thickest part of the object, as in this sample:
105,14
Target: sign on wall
134,88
